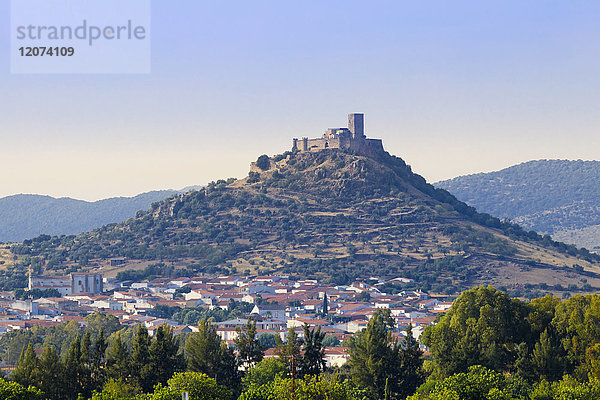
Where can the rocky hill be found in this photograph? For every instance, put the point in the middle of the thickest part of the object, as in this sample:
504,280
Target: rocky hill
557,197
331,215
24,216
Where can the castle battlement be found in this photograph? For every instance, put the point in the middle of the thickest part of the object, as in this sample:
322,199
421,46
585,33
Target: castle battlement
352,138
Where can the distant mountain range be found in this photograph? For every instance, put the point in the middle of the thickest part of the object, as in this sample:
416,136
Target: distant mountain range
557,197
24,216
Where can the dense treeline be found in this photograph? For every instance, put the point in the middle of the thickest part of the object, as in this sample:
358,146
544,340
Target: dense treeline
543,338
130,364
130,361
492,346
488,346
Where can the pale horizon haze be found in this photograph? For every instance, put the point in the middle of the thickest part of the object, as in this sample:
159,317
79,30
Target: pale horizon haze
451,87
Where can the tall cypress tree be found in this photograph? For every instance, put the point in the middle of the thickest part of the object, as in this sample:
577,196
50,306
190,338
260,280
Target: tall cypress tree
204,349
411,374
51,377
208,355
85,365
140,359
377,358
24,372
118,360
98,361
547,358
73,370
165,357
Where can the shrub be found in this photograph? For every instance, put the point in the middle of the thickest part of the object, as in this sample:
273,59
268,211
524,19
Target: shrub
263,162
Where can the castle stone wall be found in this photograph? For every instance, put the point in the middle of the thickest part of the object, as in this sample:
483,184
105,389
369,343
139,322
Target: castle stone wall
352,139
356,125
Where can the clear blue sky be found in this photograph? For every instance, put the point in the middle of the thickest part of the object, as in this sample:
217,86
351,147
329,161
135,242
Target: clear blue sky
453,87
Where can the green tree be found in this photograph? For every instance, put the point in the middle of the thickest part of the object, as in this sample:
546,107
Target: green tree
264,372
411,368
477,383
206,354
535,349
267,340
331,341
140,359
22,294
199,387
542,313
371,351
250,351
73,370
567,388
313,360
104,322
85,365
309,388
50,376
98,361
547,358
15,342
263,392
161,311
118,361
165,357
15,391
378,361
483,327
363,296
116,390
27,368
60,337
263,162
577,323
289,351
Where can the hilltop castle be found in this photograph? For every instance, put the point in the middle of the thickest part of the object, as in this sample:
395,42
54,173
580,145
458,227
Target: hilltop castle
352,138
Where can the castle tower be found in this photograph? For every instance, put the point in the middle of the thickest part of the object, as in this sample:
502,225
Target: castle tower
356,125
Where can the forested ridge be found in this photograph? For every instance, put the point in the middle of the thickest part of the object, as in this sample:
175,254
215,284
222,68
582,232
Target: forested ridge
548,196
25,216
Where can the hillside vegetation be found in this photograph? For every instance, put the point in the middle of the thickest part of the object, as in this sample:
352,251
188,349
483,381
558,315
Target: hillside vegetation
330,215
558,197
25,216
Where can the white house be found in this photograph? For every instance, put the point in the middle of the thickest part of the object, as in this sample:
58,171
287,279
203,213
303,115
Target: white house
356,326
336,356
276,311
180,282
107,305
206,296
